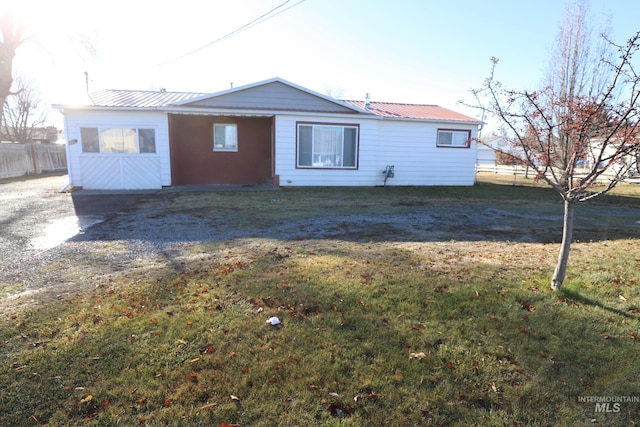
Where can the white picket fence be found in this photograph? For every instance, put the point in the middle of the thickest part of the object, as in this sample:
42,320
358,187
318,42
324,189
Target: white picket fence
530,173
21,159
504,169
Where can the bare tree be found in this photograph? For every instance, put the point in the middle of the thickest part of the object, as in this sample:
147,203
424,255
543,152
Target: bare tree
22,114
579,132
13,35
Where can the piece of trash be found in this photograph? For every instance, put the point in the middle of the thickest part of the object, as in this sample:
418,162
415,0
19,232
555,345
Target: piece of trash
418,356
273,321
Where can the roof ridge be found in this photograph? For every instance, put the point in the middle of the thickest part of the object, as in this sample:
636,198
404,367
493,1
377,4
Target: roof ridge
147,91
392,103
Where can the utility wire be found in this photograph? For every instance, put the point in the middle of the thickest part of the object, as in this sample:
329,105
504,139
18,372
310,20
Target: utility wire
262,18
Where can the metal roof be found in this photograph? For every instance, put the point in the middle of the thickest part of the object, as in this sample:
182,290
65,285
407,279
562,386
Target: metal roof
155,99
139,98
412,111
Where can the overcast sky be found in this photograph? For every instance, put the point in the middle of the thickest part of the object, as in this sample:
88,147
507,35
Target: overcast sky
414,51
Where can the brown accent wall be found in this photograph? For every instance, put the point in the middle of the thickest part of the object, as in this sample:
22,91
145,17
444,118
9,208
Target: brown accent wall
193,160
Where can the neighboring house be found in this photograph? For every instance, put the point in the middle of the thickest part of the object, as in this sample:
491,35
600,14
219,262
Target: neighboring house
628,167
272,132
490,149
38,135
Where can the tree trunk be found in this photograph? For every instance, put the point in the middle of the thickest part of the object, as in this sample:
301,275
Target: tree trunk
563,256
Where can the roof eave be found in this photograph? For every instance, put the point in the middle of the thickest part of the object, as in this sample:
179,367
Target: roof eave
102,107
261,112
433,120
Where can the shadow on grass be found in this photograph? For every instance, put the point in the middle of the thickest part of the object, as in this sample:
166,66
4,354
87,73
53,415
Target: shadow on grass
581,299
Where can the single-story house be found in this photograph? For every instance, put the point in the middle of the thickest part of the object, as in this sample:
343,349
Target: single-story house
271,132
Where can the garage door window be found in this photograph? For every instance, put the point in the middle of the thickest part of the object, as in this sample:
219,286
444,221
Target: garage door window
118,140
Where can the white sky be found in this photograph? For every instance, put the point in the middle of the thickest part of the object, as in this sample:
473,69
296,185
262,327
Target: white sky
414,51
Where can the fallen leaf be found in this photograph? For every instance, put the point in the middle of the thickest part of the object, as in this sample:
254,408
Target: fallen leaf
494,388
234,397
142,400
526,306
334,394
208,349
418,356
89,398
339,410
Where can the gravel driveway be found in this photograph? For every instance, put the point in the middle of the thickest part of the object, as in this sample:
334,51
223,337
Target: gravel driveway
58,243
36,219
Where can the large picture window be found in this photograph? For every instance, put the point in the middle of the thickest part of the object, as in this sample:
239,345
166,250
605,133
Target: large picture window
327,146
118,140
454,138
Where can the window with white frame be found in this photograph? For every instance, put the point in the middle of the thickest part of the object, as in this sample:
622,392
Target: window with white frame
327,146
225,137
454,138
118,140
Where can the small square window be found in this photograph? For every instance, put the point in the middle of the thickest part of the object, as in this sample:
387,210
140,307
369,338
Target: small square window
225,137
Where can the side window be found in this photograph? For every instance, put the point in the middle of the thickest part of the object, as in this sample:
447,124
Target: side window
453,138
225,137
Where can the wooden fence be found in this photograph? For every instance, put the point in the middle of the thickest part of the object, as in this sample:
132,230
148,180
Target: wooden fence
22,159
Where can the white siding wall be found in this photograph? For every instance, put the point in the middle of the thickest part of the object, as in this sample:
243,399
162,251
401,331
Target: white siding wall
118,171
407,145
411,148
285,147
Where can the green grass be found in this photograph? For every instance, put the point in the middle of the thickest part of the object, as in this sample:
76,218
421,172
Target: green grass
373,332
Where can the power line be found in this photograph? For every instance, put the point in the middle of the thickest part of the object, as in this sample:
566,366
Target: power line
262,18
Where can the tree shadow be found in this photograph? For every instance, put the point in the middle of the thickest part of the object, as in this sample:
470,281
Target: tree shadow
581,299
